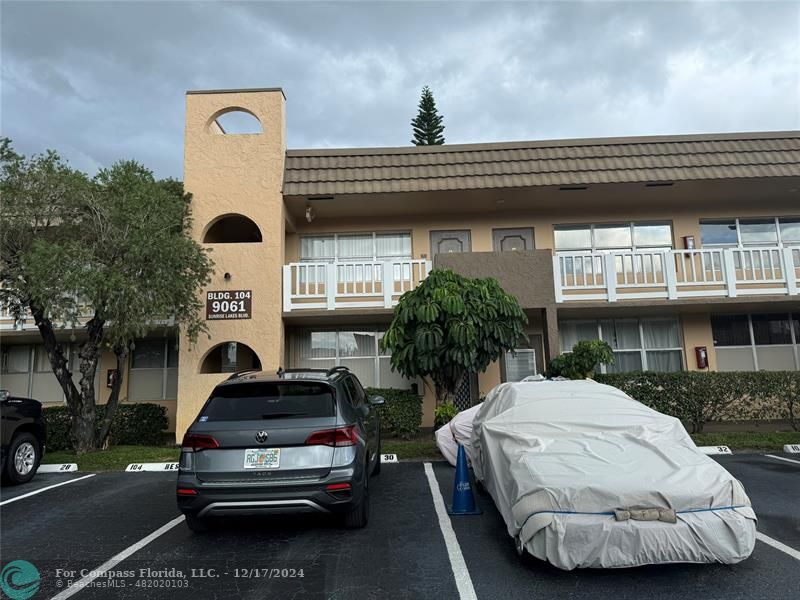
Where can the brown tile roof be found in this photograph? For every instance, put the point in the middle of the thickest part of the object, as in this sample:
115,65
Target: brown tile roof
557,162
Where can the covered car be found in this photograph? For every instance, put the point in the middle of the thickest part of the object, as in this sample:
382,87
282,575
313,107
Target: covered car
586,476
458,432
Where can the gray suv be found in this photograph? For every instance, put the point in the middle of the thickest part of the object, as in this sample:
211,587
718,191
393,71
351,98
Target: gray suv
298,441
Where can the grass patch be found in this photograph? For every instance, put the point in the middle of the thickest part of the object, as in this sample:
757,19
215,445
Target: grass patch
748,440
115,458
419,448
423,447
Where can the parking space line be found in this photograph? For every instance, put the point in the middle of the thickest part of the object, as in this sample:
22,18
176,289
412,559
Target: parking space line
797,462
44,489
778,545
116,559
463,581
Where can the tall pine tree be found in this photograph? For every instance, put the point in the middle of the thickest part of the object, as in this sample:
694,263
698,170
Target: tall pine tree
427,125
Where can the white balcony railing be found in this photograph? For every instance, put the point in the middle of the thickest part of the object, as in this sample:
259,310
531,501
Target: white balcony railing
350,284
676,273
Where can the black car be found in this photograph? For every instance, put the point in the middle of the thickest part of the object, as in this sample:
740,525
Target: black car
298,441
22,439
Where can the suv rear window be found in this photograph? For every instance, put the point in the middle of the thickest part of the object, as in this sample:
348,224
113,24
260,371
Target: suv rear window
262,400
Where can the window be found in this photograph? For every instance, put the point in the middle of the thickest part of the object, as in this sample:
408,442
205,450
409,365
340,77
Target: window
730,330
16,359
261,401
769,342
520,364
356,392
356,349
357,248
769,231
154,370
638,344
613,236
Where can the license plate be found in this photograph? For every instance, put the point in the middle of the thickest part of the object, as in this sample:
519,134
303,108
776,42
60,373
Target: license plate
262,458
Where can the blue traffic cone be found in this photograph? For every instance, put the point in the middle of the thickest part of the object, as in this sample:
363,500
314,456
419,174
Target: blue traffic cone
463,499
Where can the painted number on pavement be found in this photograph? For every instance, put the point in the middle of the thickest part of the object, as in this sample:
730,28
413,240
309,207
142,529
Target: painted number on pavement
141,467
714,449
388,458
792,448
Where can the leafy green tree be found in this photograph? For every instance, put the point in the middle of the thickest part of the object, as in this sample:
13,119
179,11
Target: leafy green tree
109,255
582,361
427,125
450,326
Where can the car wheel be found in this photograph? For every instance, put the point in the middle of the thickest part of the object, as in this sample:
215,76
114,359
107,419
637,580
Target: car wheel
196,524
23,459
359,515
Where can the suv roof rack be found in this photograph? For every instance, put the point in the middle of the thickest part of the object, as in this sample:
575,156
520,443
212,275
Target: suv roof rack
338,369
326,372
242,373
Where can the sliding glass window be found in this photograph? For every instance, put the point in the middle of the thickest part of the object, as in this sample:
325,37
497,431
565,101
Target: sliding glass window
757,342
638,344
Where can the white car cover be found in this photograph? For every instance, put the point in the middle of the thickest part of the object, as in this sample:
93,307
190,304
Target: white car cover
585,476
457,431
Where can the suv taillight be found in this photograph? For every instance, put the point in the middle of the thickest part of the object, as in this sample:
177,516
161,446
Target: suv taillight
199,441
341,436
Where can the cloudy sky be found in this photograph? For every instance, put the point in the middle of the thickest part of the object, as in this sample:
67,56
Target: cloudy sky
100,81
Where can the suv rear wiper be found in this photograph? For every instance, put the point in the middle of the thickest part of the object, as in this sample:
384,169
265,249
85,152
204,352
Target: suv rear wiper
283,415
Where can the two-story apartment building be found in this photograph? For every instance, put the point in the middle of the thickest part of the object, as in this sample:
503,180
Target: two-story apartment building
683,252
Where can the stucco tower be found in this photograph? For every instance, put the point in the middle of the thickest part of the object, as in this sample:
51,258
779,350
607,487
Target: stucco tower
235,180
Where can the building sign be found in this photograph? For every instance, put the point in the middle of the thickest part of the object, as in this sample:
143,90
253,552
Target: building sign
233,304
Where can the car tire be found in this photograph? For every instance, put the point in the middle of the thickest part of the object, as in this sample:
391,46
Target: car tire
196,524
358,517
22,460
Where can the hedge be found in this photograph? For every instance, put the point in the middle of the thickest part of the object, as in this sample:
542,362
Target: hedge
401,416
140,424
698,397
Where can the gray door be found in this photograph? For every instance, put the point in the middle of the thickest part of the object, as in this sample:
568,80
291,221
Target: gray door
506,240
447,242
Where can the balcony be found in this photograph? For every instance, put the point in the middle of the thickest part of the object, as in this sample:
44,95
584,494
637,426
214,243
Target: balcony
351,284
672,274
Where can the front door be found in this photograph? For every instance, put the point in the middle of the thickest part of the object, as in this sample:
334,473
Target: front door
507,240
448,242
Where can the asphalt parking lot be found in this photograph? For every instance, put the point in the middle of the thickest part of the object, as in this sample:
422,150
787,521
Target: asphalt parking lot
84,524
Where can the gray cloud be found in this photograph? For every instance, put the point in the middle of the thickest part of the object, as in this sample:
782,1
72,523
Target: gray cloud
101,81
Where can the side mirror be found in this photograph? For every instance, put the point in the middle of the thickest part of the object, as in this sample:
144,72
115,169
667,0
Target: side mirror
377,401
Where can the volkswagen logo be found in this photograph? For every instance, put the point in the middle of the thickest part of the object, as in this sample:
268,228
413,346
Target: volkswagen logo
261,437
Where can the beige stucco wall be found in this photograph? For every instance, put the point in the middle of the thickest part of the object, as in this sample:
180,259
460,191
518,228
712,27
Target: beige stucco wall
697,332
236,174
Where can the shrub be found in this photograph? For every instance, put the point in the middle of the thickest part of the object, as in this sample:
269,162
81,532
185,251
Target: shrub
134,424
698,397
401,416
582,361
444,413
